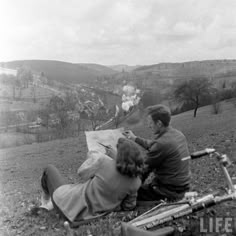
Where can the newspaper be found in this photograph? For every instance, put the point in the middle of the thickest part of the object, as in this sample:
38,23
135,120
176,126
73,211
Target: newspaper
107,137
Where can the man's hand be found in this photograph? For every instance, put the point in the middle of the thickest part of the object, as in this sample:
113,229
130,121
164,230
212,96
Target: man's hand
111,152
130,135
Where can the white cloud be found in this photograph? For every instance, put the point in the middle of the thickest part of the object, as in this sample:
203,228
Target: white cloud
113,32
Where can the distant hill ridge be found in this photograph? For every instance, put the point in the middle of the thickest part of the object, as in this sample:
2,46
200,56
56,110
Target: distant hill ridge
167,65
124,68
88,72
62,71
192,68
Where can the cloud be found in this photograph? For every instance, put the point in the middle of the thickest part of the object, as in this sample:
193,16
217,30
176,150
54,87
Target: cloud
113,32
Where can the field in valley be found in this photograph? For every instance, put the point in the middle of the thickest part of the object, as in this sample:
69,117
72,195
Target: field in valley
21,167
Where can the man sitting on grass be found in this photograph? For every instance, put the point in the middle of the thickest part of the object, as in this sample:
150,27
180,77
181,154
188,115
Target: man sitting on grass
165,158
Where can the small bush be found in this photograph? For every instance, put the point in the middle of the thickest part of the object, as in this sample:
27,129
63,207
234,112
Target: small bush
216,108
227,94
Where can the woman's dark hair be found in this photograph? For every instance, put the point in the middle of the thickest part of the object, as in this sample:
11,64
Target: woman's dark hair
160,112
129,160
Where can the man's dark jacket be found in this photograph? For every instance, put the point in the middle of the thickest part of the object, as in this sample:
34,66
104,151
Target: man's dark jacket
165,157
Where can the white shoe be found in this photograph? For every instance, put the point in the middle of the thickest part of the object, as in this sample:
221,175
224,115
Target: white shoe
46,202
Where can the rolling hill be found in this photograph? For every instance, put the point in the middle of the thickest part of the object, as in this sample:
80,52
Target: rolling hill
63,71
122,67
88,72
99,68
208,68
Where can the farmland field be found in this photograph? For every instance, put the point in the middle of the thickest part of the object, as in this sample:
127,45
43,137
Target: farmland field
23,98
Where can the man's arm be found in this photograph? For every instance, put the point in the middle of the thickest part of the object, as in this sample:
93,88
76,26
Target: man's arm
155,155
145,143
153,159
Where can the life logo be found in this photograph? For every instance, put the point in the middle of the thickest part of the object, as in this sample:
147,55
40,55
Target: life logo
226,225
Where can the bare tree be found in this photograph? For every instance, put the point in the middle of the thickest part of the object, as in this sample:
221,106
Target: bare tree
44,115
25,75
33,93
215,101
58,108
193,91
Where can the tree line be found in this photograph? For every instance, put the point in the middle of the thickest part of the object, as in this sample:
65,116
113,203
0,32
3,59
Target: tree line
191,94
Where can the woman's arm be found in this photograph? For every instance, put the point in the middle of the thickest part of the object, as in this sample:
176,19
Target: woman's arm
129,202
90,166
111,152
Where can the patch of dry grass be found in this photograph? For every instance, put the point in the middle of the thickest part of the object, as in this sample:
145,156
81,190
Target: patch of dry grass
15,139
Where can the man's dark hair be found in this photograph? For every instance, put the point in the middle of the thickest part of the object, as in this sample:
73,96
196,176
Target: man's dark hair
129,160
160,112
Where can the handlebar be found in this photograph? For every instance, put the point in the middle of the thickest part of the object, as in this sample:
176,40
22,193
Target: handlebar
201,153
224,163
198,154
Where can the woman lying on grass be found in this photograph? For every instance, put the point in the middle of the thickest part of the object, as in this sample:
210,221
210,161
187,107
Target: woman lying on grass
113,186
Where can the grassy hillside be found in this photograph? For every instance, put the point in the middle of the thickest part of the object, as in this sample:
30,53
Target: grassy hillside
21,168
63,71
24,93
99,68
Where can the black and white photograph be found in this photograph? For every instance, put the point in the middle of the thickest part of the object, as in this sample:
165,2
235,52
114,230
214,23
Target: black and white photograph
117,117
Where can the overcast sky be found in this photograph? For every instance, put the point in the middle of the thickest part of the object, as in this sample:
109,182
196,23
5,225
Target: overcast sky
134,32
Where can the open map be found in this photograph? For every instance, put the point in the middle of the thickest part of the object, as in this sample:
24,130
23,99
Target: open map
106,137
